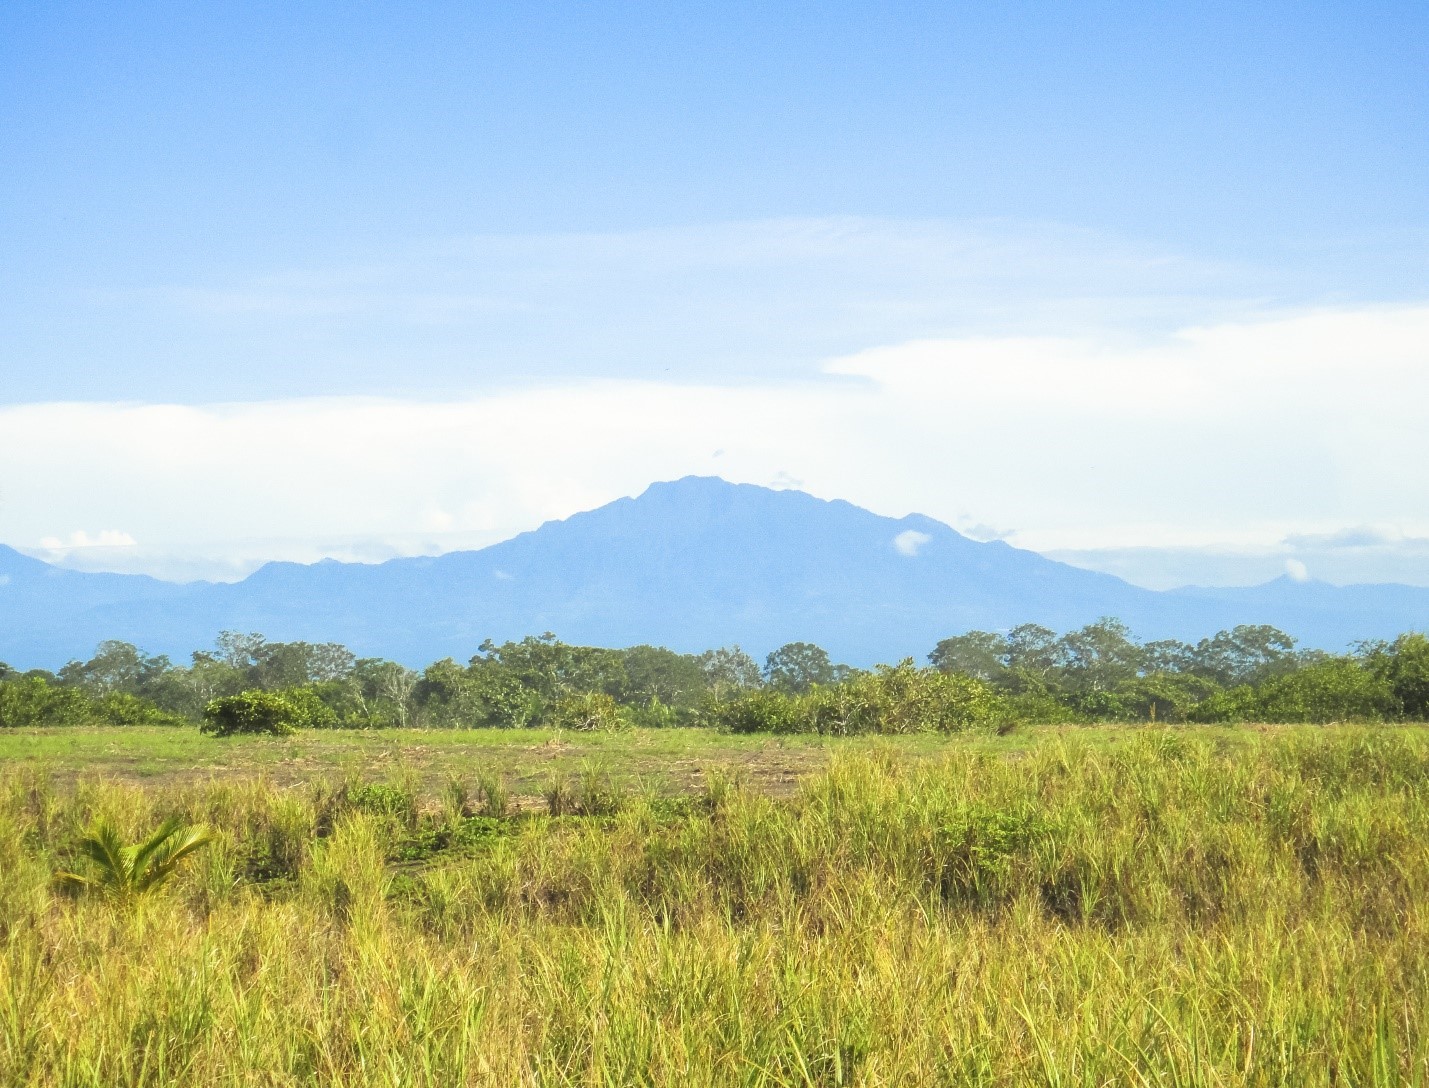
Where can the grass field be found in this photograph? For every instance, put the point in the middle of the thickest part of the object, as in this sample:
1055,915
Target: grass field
1055,907
662,760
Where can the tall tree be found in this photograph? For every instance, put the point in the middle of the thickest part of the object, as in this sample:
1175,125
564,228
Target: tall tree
798,666
728,670
116,667
979,654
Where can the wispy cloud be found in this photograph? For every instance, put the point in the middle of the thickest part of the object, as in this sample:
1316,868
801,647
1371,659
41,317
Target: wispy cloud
765,300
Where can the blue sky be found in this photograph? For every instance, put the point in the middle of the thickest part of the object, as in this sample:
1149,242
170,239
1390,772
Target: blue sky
210,206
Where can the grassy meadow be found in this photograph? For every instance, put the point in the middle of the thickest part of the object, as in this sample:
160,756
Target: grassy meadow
1090,906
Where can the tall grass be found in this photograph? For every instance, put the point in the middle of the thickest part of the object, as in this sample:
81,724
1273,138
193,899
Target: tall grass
1164,912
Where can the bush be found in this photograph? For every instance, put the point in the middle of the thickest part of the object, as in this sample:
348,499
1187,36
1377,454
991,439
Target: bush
1338,689
891,699
32,701
590,712
120,708
900,699
260,712
384,799
1404,666
655,715
759,711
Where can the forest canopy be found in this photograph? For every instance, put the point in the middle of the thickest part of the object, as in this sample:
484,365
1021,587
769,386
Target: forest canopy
1030,673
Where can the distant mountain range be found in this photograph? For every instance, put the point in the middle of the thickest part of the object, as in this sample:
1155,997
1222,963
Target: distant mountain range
690,564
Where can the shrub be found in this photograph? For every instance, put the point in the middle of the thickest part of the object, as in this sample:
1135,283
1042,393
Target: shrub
901,699
588,712
654,715
1337,689
385,799
891,699
32,701
760,711
1404,666
120,708
312,712
262,712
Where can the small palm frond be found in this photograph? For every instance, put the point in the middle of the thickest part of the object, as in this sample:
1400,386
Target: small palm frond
75,883
153,844
160,863
106,849
123,872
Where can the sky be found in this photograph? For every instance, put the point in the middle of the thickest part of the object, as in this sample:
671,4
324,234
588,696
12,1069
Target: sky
1144,287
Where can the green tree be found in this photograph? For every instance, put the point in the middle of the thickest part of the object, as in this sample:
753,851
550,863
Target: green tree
1245,654
1032,652
553,668
655,673
294,664
116,667
979,654
1098,657
1169,655
475,697
798,666
728,670
1403,665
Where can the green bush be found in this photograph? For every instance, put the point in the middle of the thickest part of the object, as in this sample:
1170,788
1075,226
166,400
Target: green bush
385,799
1334,690
120,708
892,699
588,712
32,701
1404,666
260,712
654,715
899,699
762,710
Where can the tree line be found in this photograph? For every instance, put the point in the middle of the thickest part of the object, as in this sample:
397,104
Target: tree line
1099,672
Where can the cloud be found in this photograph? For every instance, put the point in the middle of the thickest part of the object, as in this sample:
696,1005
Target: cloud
1232,437
1358,536
910,542
1297,571
976,530
105,538
750,301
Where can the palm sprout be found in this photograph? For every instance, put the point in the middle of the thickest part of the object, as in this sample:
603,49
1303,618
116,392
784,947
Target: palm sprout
125,873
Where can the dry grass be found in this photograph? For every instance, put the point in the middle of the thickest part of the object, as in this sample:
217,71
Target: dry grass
1170,909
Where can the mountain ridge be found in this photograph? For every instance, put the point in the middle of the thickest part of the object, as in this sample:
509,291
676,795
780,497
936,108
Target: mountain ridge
689,563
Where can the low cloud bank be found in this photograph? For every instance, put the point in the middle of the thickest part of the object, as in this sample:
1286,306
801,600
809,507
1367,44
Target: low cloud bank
1239,439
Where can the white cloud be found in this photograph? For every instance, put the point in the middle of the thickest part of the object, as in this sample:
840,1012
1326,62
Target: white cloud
105,538
1297,570
910,542
1233,436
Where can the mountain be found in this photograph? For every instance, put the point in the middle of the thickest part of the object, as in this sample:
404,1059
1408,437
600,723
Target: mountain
689,564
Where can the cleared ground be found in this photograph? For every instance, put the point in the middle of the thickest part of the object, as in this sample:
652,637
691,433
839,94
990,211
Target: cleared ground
660,760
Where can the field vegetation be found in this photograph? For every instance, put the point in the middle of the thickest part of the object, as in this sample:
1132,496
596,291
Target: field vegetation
1179,906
